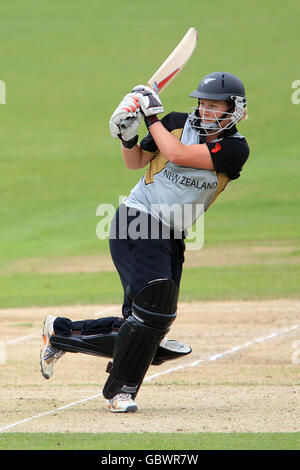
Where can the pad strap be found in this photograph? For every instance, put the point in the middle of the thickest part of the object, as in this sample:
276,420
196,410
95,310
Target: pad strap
102,345
153,312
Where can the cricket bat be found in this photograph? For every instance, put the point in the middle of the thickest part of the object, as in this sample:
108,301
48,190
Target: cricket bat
171,67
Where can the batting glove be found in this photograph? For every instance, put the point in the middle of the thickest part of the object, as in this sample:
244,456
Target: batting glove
129,112
149,100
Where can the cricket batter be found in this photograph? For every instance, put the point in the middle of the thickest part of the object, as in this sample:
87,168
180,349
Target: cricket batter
191,157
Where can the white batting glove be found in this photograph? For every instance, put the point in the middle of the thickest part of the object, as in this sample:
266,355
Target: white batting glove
149,100
132,125
129,110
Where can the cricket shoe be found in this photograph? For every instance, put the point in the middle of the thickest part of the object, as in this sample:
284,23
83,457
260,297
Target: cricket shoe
122,403
49,355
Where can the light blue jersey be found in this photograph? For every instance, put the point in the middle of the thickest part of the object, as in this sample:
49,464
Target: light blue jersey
175,194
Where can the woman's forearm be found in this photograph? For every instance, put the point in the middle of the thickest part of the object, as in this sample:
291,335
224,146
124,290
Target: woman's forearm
135,158
168,145
196,156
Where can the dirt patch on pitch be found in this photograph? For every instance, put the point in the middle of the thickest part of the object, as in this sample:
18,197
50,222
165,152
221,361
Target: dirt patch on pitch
242,375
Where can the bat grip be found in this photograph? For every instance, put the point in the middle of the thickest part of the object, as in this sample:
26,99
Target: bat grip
126,123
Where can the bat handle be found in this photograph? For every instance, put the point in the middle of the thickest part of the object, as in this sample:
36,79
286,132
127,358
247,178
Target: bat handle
126,123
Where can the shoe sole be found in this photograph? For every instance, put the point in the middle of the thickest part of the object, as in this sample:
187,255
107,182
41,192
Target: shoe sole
129,409
46,342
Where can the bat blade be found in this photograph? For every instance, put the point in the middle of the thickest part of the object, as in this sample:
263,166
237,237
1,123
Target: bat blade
170,68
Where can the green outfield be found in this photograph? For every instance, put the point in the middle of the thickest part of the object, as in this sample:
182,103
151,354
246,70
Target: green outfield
150,441
251,282
66,66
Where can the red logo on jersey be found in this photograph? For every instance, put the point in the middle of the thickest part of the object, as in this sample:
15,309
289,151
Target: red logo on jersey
216,148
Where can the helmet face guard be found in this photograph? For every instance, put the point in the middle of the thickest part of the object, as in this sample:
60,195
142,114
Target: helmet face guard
218,86
215,122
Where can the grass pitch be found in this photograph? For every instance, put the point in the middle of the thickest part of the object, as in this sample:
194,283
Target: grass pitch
66,66
150,441
251,282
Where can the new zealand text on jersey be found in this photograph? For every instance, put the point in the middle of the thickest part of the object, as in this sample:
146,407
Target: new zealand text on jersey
188,181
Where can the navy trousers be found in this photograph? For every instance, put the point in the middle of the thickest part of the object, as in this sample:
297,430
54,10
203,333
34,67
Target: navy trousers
140,260
155,254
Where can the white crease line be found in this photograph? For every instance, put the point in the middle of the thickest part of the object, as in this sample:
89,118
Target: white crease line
61,408
37,333
22,338
223,354
169,371
111,309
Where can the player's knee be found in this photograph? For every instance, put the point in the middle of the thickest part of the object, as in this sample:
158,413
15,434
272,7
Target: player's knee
156,303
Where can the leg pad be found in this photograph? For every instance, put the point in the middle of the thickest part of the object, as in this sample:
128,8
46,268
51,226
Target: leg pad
153,312
102,345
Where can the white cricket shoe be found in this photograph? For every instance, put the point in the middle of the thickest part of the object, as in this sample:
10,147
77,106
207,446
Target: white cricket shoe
49,355
122,403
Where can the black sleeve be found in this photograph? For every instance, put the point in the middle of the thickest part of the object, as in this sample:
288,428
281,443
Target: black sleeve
229,155
148,144
171,121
